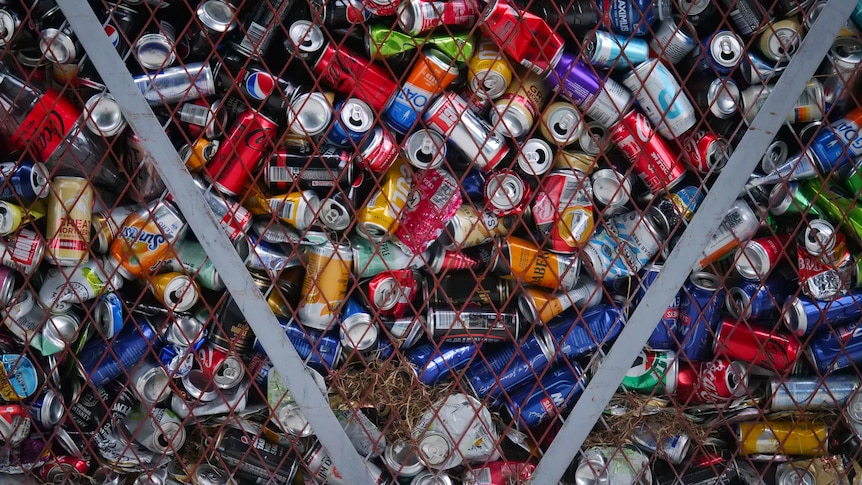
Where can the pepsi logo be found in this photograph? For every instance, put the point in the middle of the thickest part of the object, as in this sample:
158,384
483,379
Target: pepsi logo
112,34
259,85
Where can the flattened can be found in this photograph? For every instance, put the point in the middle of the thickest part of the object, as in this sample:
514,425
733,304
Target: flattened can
325,285
434,201
563,210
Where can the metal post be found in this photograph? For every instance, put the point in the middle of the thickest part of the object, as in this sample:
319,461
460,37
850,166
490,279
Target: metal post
678,265
215,242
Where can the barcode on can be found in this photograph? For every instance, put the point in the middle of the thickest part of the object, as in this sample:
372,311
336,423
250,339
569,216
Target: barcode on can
282,208
280,174
252,37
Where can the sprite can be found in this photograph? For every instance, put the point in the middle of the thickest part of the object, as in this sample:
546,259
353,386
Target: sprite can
653,371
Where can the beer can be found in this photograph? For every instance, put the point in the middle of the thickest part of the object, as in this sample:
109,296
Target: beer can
561,123
176,291
622,246
516,111
325,285
804,315
781,40
613,51
434,363
525,261
489,71
296,208
699,315
150,382
268,461
70,209
539,305
357,330
473,324
782,438
425,149
810,393
459,289
472,226
24,251
771,349
99,365
531,405
563,210
378,218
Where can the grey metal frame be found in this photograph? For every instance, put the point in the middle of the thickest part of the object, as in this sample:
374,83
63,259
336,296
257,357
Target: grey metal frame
604,383
677,266
215,242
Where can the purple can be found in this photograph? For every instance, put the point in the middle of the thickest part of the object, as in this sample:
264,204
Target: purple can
531,405
604,100
502,370
662,337
101,362
433,364
839,349
699,316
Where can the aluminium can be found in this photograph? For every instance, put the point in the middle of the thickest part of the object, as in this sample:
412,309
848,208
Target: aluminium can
70,211
653,159
24,181
716,381
508,366
747,16
663,336
310,114
660,96
251,136
506,193
613,465
434,363
431,74
773,437
773,350
353,120
563,211
490,73
653,373
425,149
523,260
673,448
781,40
325,285
561,123
810,393
269,461
699,315
804,315
473,324
557,391
602,100
673,39
402,459
613,51
177,84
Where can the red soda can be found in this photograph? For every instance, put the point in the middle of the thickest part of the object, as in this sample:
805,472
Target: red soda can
433,202
390,293
526,37
719,380
765,347
705,151
653,159
378,152
14,424
242,151
755,258
64,469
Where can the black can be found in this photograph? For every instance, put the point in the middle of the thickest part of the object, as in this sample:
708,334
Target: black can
231,331
458,289
309,169
473,324
267,462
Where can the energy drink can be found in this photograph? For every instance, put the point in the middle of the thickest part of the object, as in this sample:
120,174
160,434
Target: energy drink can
660,96
269,461
612,51
288,169
325,285
70,209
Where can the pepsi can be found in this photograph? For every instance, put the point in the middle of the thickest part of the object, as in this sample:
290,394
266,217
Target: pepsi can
533,404
838,349
353,120
101,365
433,364
804,315
699,315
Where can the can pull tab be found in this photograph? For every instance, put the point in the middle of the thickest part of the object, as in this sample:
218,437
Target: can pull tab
563,125
727,50
356,117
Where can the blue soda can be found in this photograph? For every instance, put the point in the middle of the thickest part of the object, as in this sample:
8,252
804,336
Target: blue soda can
699,315
24,182
433,364
838,144
804,315
749,299
530,406
108,314
473,185
19,377
353,121
47,409
509,366
99,365
431,74
573,336
352,307
836,350
856,16
662,337
318,349
613,51
629,16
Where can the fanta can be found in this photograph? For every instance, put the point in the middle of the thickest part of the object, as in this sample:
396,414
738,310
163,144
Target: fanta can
146,239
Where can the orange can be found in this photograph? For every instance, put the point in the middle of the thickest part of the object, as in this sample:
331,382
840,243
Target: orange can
146,239
527,262
782,438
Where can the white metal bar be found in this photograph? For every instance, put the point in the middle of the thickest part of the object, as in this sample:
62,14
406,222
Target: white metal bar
676,269
215,242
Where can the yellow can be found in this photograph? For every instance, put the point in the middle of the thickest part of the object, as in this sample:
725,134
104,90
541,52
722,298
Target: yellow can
489,72
579,161
324,288
782,438
378,218
470,228
70,210
176,291
296,208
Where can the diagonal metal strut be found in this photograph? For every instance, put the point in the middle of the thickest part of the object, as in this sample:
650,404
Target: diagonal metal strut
678,265
214,241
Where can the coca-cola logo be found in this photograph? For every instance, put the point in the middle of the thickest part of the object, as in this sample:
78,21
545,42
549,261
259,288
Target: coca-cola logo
51,130
643,130
711,378
339,72
775,353
257,139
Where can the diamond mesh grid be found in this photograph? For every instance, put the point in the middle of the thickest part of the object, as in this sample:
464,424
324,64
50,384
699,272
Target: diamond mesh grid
450,279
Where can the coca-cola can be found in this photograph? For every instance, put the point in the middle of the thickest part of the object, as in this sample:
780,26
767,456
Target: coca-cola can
705,151
771,349
241,152
653,159
719,380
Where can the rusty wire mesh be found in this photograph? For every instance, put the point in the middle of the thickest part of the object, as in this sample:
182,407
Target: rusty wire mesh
469,339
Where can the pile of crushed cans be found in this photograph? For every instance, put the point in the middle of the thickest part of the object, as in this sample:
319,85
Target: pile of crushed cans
480,191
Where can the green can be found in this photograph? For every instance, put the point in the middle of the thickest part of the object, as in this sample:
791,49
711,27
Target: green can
191,257
789,199
382,42
371,259
852,173
653,371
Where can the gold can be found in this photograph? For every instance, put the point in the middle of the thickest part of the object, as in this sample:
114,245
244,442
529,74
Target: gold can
13,215
489,73
781,40
378,218
528,263
782,438
70,210
176,291
579,161
470,228
327,275
296,208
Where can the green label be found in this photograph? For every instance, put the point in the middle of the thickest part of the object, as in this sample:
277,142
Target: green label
648,373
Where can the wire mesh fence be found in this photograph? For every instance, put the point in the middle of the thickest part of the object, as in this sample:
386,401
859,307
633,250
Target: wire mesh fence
452,208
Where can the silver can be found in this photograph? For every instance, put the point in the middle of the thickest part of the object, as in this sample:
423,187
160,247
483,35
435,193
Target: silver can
661,98
810,106
819,237
309,114
103,115
506,193
840,72
229,373
725,50
425,149
177,84
594,138
853,414
206,474
673,40
402,459
536,157
359,331
791,474
155,50
611,189
151,383
432,478
671,448
604,464
157,429
811,393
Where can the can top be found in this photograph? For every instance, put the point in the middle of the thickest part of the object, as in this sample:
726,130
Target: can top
306,36
216,16
104,116
562,123
795,317
57,46
846,53
402,457
154,51
705,281
410,16
854,408
794,475
8,24
184,331
434,449
425,149
536,157
752,261
356,115
610,187
206,474
504,190
181,293
153,385
780,198
7,218
359,332
441,60
723,97
725,48
309,114
291,419
819,237
199,386
230,373
431,478
737,303
775,156
52,409
593,138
